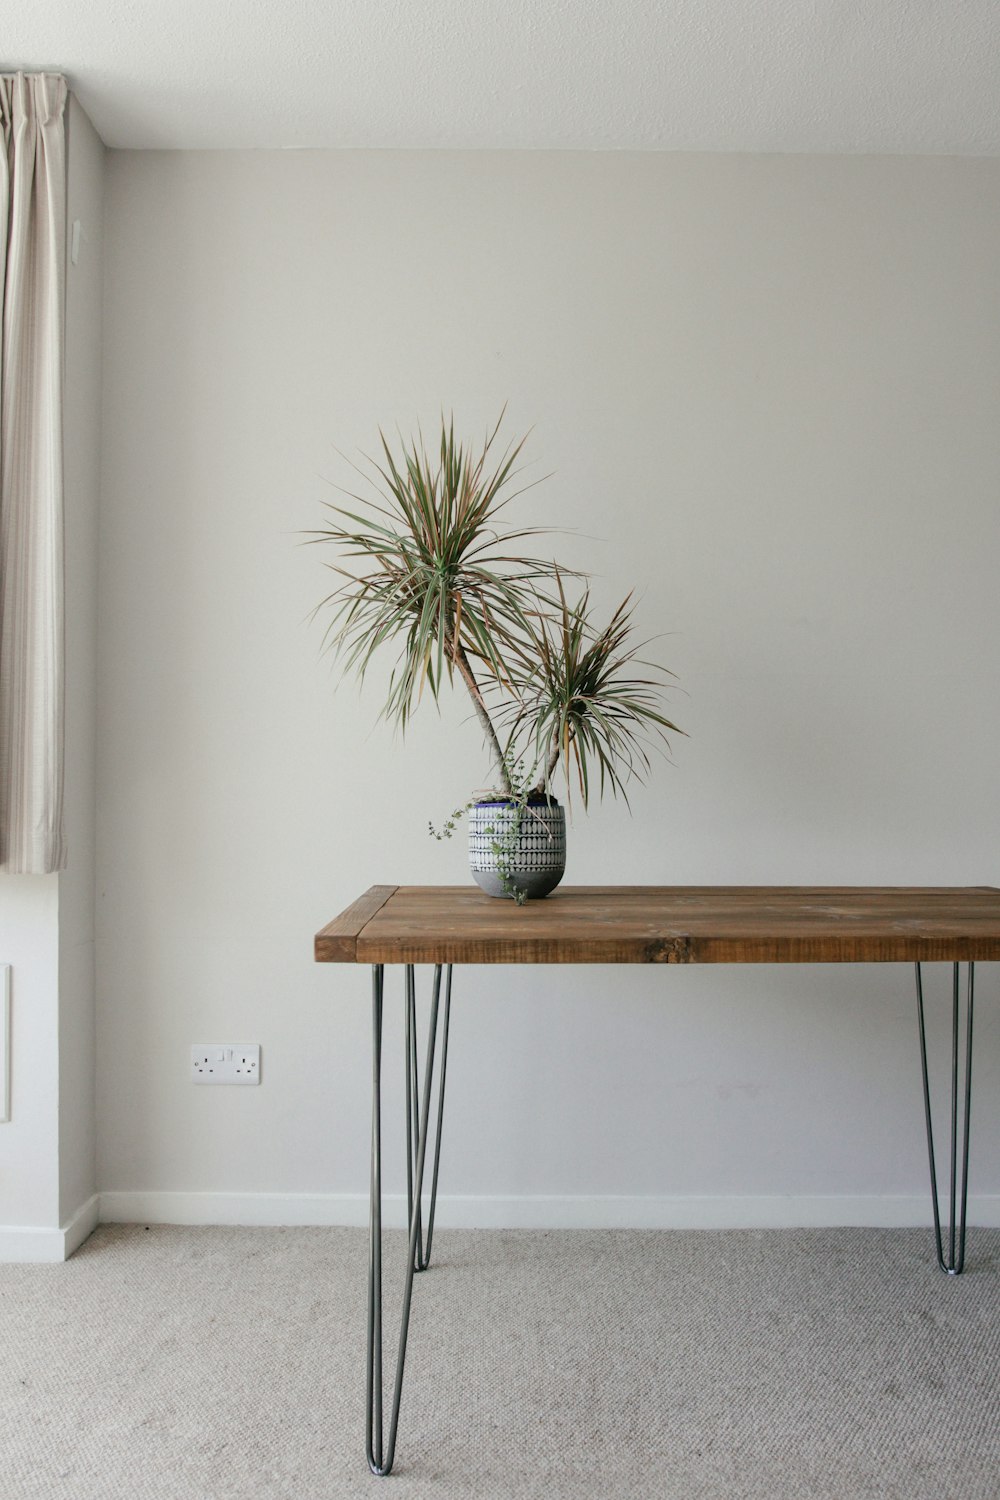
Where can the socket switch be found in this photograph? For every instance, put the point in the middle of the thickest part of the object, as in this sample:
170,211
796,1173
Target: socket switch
4,1042
225,1062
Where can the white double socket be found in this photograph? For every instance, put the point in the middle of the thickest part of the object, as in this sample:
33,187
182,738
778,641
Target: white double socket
225,1062
4,1042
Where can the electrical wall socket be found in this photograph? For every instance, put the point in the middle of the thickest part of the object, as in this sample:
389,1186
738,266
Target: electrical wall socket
4,1042
225,1062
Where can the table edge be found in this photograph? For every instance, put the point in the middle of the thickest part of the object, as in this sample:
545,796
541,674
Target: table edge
343,940
337,942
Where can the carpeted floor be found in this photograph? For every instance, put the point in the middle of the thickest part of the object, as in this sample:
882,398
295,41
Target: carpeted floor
205,1364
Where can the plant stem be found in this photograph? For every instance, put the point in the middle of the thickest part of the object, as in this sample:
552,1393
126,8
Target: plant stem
464,666
550,771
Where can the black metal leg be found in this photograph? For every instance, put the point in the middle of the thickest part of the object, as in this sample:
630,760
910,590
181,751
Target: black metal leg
412,1108
380,1448
955,1261
423,1251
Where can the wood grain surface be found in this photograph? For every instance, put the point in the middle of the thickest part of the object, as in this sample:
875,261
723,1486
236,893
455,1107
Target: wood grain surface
337,942
667,924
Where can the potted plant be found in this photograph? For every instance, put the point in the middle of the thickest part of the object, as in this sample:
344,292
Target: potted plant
430,565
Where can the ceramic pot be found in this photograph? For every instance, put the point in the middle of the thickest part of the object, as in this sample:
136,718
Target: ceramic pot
522,848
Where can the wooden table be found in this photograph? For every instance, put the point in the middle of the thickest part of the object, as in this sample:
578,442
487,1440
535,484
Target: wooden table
448,925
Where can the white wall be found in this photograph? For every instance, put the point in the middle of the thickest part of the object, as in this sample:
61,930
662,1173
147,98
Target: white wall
29,1140
47,1149
768,388
77,1020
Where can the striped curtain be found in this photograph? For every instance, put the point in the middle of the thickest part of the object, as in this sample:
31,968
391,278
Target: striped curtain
32,273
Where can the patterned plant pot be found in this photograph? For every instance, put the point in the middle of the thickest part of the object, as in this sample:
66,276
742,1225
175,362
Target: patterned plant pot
517,849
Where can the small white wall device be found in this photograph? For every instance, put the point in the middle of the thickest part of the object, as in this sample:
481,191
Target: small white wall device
225,1062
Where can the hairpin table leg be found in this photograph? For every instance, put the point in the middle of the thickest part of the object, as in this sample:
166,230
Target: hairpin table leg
952,1265
423,1246
380,1448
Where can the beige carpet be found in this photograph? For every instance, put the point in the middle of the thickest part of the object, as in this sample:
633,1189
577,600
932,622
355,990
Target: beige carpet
204,1364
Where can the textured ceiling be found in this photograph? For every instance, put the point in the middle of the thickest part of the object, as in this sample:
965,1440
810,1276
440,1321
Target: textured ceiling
716,75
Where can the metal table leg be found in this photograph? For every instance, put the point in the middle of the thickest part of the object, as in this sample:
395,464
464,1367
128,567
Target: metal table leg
423,1246
953,1264
380,1449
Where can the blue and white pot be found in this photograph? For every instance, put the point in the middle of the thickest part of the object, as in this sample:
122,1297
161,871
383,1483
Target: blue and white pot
517,848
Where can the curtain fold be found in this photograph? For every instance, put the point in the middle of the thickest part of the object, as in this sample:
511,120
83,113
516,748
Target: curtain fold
32,275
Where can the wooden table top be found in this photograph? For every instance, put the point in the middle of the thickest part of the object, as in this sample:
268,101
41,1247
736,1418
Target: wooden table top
645,924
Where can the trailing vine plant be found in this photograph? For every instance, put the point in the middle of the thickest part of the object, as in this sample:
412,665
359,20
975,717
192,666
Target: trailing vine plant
504,839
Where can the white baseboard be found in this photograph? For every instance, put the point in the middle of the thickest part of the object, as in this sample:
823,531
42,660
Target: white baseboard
555,1212
82,1224
27,1244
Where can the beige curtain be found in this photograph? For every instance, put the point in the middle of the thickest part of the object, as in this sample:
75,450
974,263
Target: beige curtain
32,270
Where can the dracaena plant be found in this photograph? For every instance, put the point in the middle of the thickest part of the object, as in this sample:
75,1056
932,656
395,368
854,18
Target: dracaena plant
579,699
430,566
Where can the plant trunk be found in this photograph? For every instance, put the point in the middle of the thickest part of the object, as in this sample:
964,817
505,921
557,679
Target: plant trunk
550,770
464,666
